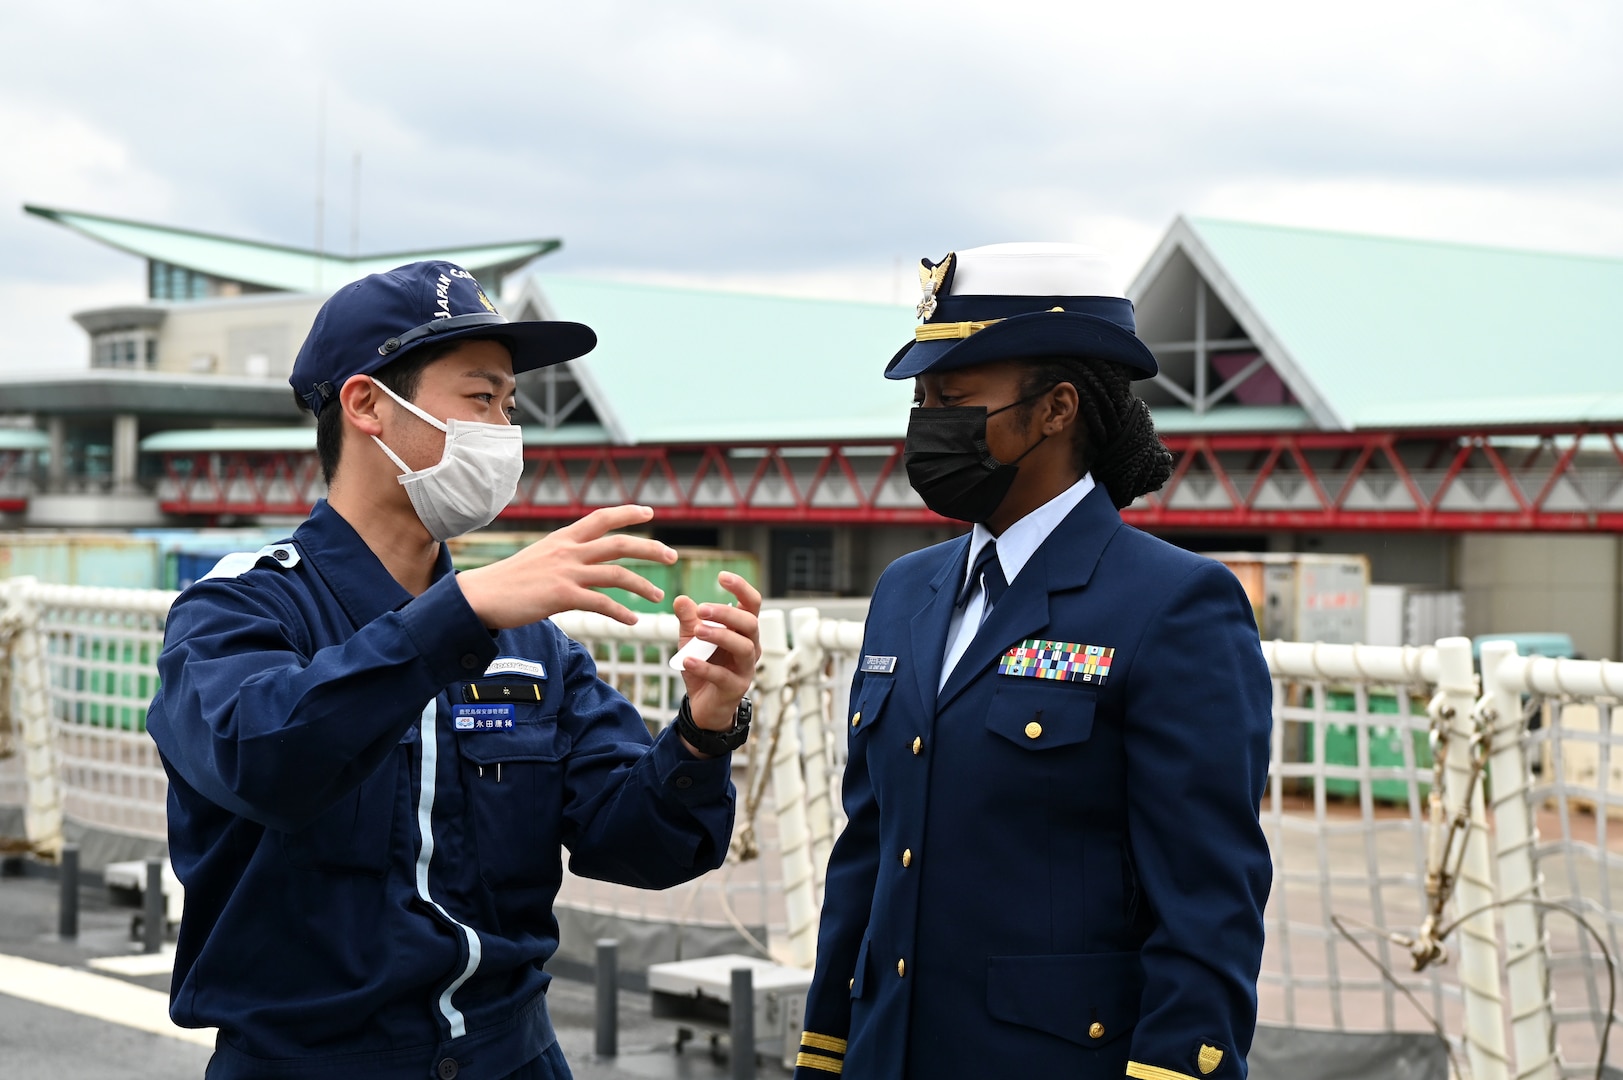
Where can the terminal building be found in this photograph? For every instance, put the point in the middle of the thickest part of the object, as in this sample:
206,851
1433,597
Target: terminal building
1452,412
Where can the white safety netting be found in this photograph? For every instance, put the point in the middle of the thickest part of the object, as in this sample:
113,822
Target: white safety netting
1367,869
1575,754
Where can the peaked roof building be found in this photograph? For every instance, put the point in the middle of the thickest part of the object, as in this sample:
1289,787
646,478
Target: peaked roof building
1320,391
1310,380
184,264
1344,332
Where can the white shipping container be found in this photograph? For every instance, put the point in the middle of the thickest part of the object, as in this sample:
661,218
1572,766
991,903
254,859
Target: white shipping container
1300,597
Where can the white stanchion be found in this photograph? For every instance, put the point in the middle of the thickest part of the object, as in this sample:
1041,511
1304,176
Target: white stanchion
42,813
1484,1031
782,732
1532,1021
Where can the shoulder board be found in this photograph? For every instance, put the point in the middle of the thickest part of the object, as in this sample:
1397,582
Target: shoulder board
283,555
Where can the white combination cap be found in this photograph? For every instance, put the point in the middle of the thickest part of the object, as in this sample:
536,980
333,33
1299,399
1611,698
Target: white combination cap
1034,269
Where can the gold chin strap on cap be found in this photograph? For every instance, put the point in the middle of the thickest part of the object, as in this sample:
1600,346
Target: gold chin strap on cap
950,331
953,331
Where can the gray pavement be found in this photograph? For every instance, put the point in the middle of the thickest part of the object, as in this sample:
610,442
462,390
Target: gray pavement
37,1040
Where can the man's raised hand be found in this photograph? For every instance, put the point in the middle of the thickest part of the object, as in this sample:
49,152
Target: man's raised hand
715,686
563,572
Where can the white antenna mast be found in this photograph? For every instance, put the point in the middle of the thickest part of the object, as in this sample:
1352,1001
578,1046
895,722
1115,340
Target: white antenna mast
321,177
355,208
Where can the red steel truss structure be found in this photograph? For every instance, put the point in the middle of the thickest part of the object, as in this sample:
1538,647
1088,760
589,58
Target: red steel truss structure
1556,479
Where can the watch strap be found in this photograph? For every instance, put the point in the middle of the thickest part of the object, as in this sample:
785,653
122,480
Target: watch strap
715,742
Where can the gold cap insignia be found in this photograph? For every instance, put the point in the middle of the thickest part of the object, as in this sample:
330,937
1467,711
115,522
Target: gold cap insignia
930,279
1210,1058
485,300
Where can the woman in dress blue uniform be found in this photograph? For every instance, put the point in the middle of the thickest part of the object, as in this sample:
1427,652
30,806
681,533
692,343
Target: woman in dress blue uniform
1053,865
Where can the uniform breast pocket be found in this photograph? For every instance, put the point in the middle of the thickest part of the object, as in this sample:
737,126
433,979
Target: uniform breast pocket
1041,714
351,836
515,784
868,708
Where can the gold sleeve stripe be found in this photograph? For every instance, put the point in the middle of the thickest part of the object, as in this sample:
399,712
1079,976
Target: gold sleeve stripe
804,1060
822,1042
1154,1072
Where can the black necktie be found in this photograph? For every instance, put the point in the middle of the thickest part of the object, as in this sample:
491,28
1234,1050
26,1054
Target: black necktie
988,571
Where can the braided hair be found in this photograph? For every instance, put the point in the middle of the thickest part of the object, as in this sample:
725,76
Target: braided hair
1120,446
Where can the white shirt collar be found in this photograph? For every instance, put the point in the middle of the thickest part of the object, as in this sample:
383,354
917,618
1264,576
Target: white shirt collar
1021,540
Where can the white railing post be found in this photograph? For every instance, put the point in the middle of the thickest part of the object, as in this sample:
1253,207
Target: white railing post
42,815
812,713
782,735
1474,891
1532,1021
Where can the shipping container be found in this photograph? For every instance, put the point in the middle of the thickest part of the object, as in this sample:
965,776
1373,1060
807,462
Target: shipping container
1385,746
187,554
1401,615
1297,597
700,566
487,546
108,560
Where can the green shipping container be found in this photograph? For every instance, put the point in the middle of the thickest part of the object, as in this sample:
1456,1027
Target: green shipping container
665,577
1385,748
693,575
699,569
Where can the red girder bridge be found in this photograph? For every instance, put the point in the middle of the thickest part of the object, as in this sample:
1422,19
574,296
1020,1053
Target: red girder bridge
1551,479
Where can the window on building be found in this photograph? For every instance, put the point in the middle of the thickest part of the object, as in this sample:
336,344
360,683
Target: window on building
553,398
169,282
129,350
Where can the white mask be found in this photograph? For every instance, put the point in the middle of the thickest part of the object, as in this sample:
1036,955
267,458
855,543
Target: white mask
475,478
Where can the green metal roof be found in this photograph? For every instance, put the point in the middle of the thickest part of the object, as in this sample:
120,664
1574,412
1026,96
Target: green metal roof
1403,333
226,439
304,438
1177,421
23,439
687,365
275,266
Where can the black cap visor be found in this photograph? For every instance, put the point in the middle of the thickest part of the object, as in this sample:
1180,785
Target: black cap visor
1023,337
533,344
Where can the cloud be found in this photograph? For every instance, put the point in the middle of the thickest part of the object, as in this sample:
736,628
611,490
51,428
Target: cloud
1575,217
728,141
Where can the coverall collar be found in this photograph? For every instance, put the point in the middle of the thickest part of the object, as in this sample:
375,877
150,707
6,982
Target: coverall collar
357,577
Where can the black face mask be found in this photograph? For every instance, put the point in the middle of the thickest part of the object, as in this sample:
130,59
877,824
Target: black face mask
949,465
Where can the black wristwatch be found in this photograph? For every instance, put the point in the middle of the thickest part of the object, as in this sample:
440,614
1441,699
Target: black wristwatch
715,743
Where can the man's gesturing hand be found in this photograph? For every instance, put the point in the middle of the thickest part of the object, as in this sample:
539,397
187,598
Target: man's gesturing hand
716,686
563,571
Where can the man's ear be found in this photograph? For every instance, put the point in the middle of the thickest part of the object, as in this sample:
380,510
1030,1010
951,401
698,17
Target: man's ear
360,398
1062,409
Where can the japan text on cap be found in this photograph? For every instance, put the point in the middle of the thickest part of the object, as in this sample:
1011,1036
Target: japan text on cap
1020,301
382,317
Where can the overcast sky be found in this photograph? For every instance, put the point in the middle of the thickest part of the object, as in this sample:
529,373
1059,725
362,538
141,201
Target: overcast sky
818,148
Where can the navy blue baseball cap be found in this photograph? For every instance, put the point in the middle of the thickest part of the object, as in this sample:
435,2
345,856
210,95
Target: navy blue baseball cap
375,321
1021,301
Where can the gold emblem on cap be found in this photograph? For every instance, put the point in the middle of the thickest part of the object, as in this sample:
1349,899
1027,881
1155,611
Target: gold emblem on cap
1210,1058
485,300
930,279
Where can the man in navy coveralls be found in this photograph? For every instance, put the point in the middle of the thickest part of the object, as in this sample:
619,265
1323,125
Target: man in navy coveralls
375,762
1059,729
